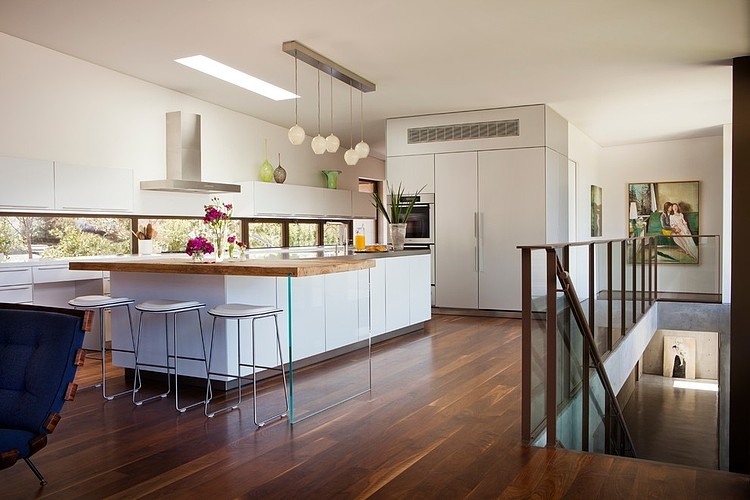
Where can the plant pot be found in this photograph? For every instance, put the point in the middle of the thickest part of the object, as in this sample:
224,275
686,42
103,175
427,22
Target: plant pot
397,235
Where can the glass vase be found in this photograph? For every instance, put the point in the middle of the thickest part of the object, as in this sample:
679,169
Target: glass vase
197,257
397,235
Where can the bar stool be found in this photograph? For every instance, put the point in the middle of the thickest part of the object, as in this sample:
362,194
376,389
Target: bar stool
100,303
240,312
166,307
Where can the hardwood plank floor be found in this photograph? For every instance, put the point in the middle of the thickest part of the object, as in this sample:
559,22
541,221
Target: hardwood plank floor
442,421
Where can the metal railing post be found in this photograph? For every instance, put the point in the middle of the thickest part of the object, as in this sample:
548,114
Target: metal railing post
550,403
526,345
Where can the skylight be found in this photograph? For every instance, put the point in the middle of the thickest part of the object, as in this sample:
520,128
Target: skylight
236,77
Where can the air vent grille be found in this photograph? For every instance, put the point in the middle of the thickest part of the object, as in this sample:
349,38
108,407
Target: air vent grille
463,131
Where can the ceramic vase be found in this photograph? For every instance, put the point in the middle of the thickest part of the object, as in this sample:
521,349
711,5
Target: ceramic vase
279,175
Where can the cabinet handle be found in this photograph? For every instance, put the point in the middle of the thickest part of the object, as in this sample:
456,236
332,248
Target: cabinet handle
476,241
52,268
480,231
20,287
13,270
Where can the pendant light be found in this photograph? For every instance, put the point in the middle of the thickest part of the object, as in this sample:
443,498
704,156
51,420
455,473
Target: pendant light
362,148
332,142
296,133
351,157
318,143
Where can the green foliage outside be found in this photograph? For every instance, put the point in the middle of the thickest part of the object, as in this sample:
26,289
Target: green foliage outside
303,234
8,237
264,234
84,237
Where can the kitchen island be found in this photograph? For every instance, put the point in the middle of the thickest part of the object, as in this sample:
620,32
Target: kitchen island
333,304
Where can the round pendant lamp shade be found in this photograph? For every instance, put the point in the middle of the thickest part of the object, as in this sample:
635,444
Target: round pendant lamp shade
318,145
351,157
296,135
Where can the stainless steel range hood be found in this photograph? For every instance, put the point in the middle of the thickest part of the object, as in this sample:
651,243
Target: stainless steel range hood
184,159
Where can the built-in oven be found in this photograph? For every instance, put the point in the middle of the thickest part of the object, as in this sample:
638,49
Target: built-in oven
420,225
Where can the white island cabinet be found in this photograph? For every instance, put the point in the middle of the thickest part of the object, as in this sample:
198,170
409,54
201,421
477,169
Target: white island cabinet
330,312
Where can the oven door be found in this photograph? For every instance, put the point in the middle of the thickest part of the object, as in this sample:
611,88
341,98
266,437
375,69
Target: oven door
420,224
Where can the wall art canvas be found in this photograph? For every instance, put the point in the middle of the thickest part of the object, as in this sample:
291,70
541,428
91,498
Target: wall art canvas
596,211
679,357
670,212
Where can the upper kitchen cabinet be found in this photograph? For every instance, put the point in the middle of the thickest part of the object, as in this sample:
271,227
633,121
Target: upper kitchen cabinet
27,184
289,200
79,187
412,172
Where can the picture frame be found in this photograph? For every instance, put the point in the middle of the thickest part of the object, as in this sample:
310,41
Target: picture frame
596,211
669,212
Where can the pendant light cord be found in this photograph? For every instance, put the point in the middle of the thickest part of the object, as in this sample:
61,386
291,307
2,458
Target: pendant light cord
296,99
351,119
361,116
318,102
331,102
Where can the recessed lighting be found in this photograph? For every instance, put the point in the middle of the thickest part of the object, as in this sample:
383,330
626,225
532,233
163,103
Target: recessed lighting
236,77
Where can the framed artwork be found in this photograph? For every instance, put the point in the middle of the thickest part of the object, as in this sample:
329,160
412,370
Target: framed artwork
679,357
596,211
670,211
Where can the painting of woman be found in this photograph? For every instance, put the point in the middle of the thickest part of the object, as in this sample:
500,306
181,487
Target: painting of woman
680,228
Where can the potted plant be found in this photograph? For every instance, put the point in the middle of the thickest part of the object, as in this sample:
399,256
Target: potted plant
396,211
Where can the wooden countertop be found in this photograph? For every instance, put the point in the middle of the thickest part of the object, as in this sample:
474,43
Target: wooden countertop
252,267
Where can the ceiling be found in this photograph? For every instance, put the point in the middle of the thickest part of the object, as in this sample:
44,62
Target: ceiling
621,72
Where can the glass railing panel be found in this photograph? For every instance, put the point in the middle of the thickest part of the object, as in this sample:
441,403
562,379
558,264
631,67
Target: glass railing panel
620,286
596,427
603,297
681,277
538,338
569,376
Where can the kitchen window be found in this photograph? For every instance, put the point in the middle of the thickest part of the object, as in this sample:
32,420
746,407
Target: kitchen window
265,234
33,236
303,234
172,234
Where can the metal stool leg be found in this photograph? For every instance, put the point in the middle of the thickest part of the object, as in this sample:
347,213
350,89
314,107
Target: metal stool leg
110,397
177,406
137,383
209,389
255,366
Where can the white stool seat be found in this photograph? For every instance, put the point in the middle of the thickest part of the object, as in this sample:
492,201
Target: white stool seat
241,310
99,301
168,306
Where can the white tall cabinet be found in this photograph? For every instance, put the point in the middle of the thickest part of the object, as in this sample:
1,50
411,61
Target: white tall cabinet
492,194
487,203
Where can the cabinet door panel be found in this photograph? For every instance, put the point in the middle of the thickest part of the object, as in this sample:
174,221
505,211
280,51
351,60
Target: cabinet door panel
419,289
396,293
26,183
512,212
412,172
456,283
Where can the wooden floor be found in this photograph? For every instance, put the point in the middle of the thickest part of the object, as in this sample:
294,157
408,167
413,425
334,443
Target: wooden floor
674,425
442,421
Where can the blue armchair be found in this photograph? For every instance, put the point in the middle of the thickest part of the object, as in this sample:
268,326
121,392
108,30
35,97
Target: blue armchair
40,351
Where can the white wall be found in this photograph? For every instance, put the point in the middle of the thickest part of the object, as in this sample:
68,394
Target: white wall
585,153
56,107
684,160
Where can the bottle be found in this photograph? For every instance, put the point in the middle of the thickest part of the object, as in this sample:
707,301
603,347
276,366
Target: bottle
359,238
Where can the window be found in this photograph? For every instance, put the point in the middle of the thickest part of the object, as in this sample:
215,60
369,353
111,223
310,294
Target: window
265,234
64,236
172,234
303,234
331,232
